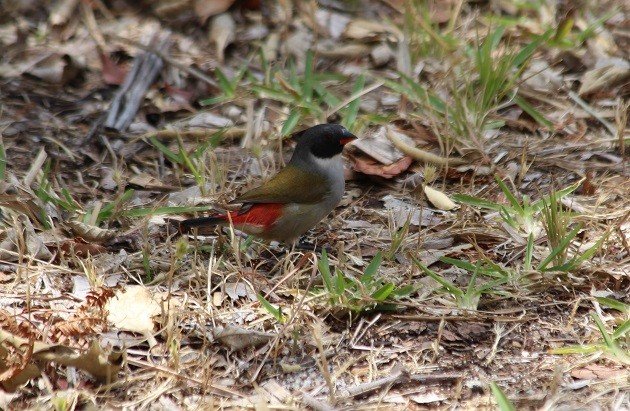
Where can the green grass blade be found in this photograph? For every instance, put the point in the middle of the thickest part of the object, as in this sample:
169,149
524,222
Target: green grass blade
621,331
353,108
307,85
371,269
275,312
324,269
614,304
173,157
290,123
340,282
450,287
526,52
143,212
382,293
476,202
529,253
535,114
560,248
502,400
508,194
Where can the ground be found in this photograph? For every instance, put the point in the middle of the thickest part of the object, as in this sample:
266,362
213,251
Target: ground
479,258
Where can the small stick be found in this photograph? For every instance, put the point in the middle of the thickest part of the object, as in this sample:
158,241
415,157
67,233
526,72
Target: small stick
422,155
127,101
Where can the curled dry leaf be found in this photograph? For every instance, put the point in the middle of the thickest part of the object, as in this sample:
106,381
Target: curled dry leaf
133,309
367,165
208,8
377,146
360,29
102,366
80,248
90,232
222,33
604,77
401,211
439,199
237,338
56,69
34,244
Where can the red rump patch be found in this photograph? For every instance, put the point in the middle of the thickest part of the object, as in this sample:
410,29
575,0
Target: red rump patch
262,215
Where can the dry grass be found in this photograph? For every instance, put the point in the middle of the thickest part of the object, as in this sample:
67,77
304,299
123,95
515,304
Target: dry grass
233,322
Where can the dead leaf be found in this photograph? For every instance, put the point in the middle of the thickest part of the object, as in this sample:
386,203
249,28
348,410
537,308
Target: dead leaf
149,182
80,248
597,372
379,147
237,338
90,232
605,76
360,29
401,211
222,33
333,23
133,309
208,8
56,69
113,74
367,165
439,199
34,244
102,366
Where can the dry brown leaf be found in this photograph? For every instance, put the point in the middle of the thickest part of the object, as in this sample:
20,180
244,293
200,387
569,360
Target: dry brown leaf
237,338
80,248
34,244
112,73
606,77
222,33
90,232
379,147
367,165
133,309
56,69
208,8
102,366
597,372
439,199
402,211
360,29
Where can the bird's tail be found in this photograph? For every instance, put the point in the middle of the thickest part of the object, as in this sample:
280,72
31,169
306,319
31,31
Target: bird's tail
203,225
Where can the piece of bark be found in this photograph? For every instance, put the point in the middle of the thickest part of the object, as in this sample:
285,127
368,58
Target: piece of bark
142,75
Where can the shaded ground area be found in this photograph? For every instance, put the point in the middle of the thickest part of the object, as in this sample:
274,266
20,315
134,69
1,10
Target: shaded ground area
419,301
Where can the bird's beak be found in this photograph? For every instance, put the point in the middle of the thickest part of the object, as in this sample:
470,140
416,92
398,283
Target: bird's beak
347,139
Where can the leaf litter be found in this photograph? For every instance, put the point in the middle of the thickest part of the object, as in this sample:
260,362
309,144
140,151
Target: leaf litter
94,279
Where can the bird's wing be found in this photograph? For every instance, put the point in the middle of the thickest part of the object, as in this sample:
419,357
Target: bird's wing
290,185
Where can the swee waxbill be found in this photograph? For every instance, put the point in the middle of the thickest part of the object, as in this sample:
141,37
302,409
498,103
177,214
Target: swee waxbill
295,199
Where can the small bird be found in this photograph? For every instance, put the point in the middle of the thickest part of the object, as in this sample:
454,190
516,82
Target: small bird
295,199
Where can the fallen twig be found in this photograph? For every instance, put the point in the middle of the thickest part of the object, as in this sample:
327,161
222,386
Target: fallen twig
127,101
422,155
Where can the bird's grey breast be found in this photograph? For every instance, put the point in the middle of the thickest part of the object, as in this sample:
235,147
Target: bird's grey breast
332,170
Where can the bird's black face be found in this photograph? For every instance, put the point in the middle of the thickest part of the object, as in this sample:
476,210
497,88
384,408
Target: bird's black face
324,140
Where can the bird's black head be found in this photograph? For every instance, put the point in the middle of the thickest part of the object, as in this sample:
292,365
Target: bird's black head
323,140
